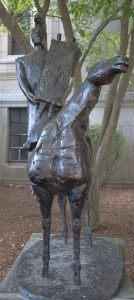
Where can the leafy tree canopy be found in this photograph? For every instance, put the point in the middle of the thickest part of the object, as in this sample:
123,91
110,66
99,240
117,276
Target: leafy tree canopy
85,16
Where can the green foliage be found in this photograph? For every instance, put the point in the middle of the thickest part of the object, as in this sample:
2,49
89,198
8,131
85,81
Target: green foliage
53,9
18,7
129,12
21,11
106,45
86,16
116,150
2,28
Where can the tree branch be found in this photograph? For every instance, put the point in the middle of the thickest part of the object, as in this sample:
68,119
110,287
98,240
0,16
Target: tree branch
116,109
69,34
10,23
124,37
110,40
42,10
46,7
38,7
124,32
96,33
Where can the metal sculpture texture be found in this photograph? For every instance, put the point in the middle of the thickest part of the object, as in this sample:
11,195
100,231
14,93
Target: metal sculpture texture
61,161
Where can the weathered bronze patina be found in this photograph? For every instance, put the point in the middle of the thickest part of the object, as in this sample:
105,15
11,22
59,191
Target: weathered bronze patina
61,162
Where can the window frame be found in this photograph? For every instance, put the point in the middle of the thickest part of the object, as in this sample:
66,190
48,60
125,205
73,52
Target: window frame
20,134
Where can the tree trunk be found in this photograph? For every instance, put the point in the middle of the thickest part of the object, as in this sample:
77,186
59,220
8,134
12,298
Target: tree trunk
10,23
94,196
110,125
65,17
113,87
77,82
69,34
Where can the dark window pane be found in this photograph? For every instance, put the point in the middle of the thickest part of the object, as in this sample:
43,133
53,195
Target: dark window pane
23,154
23,128
14,115
15,48
14,154
23,139
18,134
14,128
23,115
14,142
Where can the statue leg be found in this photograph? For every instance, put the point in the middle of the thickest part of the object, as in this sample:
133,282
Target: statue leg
76,199
45,200
62,200
31,138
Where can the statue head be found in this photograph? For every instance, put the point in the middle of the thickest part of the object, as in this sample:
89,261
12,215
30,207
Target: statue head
38,33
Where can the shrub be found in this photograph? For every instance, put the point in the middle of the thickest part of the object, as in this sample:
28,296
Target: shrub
116,150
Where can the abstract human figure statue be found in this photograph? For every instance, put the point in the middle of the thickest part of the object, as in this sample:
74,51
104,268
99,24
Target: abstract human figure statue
61,162
29,69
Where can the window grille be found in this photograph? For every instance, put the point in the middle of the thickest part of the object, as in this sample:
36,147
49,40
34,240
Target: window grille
17,134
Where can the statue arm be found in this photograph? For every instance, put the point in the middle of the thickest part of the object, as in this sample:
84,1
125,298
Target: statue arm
22,80
86,96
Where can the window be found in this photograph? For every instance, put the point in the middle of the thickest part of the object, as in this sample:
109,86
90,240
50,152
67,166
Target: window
15,48
24,20
18,134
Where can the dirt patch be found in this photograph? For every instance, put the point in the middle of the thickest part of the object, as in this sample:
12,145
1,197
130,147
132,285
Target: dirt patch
20,217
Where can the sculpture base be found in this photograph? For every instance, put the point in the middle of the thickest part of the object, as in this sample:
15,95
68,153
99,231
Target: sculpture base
101,272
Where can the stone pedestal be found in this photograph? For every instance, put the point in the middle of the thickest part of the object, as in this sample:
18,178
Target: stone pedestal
25,274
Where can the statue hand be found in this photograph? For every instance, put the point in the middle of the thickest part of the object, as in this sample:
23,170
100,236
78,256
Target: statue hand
48,137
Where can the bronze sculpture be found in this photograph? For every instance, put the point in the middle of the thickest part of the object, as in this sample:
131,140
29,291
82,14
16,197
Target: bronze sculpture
61,162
